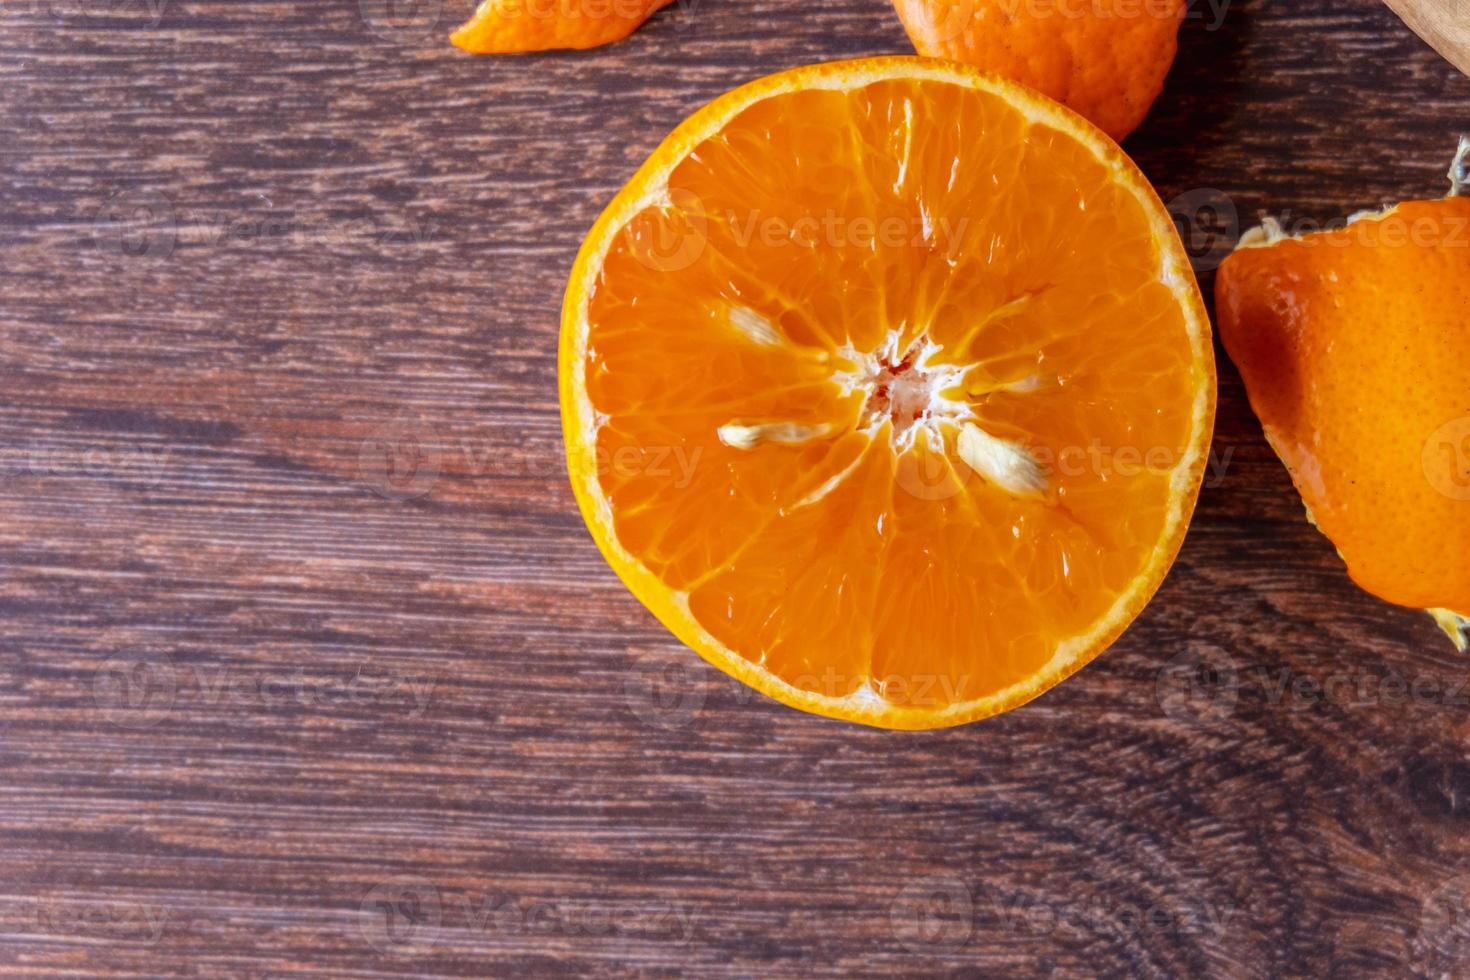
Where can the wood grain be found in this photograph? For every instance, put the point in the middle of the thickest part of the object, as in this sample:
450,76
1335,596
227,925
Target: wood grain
308,666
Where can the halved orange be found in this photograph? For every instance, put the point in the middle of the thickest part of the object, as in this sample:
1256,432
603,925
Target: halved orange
887,387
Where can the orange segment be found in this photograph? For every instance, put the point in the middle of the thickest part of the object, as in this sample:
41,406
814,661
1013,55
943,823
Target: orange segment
1107,59
887,387
1352,347
516,26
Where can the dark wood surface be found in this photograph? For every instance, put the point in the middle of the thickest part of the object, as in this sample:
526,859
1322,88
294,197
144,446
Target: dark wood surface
270,705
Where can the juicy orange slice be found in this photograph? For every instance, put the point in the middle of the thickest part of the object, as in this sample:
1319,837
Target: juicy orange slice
516,26
887,387
1352,344
1107,59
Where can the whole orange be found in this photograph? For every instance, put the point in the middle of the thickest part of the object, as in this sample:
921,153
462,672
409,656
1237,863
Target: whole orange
1106,59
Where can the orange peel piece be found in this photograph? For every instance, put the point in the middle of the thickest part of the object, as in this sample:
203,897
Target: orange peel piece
1352,346
521,26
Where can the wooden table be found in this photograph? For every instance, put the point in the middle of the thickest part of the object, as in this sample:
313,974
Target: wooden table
308,666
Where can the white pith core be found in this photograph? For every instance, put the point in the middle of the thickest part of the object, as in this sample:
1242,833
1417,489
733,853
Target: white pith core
904,390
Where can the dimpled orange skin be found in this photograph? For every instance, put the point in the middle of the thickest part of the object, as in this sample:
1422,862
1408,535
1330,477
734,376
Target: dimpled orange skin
519,26
1352,346
1105,59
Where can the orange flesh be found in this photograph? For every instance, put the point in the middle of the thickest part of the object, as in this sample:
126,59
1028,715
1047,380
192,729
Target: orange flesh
1352,344
866,228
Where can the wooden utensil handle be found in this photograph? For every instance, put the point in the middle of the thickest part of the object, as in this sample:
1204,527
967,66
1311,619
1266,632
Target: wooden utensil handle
1443,23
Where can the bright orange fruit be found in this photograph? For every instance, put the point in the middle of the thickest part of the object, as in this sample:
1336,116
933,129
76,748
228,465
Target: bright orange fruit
887,387
515,26
1352,346
1106,59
